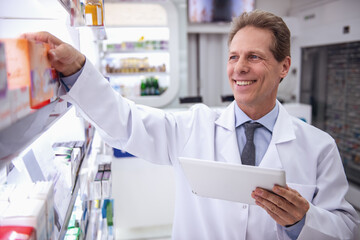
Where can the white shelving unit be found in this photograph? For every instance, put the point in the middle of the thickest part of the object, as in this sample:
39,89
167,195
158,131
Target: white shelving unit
36,132
159,22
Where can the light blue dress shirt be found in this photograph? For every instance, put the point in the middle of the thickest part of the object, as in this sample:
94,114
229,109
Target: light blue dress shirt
262,138
69,81
262,135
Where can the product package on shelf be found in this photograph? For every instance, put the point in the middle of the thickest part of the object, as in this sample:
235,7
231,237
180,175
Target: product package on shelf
141,45
100,224
106,184
77,13
101,185
29,213
28,66
21,192
5,192
71,153
28,205
76,228
45,191
94,13
62,198
108,213
73,231
17,232
96,185
3,72
69,156
5,112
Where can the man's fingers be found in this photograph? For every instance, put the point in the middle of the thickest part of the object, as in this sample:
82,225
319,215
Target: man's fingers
292,196
279,201
63,57
289,206
276,205
42,37
279,218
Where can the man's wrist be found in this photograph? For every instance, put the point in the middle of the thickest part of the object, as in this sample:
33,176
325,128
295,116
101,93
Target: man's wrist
69,81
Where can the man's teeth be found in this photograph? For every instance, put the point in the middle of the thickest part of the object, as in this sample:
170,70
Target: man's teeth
244,83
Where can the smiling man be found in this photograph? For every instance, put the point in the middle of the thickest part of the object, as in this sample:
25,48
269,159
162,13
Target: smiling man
312,206
253,71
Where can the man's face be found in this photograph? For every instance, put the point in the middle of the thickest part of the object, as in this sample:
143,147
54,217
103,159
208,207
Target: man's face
253,72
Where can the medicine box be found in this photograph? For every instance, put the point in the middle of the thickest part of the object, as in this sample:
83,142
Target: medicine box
28,66
17,232
3,72
30,213
45,191
5,113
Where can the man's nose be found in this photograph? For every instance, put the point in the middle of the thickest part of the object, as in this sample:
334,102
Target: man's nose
241,66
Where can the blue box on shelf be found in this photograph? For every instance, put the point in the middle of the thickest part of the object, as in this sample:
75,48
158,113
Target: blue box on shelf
120,153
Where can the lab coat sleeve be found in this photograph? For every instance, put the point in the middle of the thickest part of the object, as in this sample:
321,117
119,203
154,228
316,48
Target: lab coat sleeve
330,216
145,132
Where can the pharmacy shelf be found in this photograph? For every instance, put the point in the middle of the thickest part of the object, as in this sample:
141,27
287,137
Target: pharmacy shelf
99,32
145,51
137,74
75,191
69,210
15,138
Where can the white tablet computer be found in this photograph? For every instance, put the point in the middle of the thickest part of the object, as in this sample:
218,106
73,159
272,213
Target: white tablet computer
229,181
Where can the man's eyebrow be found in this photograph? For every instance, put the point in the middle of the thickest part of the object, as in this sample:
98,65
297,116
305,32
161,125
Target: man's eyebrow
251,51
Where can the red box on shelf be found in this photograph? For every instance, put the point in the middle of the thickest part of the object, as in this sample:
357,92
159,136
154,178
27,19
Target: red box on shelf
17,232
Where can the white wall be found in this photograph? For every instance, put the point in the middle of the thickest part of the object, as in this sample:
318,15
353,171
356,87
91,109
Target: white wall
144,198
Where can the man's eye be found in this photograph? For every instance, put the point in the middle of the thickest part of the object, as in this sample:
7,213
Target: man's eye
254,57
232,57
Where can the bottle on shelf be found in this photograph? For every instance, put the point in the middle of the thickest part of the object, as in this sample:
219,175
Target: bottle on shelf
143,87
94,13
150,86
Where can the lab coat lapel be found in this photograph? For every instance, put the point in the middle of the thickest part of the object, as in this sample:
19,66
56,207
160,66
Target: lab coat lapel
226,142
283,132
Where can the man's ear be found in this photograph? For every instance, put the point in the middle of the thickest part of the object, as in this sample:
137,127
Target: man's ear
285,64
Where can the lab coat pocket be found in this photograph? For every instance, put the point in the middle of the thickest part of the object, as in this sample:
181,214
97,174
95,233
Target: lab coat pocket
306,191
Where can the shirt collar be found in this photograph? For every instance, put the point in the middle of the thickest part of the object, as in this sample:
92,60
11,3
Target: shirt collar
267,121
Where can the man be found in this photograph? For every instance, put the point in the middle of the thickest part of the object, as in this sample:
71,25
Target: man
312,206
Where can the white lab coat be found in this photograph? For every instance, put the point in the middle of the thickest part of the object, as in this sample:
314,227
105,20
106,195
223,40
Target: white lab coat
309,156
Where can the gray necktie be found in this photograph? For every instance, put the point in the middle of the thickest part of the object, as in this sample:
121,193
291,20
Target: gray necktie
248,153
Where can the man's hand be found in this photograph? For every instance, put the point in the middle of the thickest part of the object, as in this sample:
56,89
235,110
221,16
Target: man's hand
62,56
285,205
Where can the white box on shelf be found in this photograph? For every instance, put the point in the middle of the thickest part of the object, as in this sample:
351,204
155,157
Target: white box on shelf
29,212
45,191
96,185
21,192
106,185
5,192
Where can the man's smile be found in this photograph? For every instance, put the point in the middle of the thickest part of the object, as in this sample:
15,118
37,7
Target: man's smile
244,82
